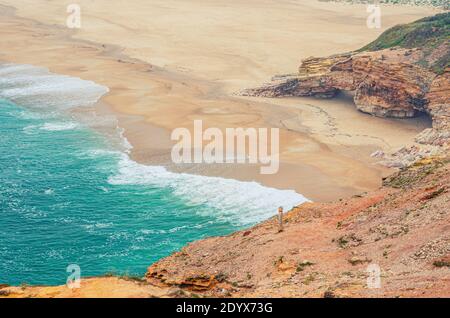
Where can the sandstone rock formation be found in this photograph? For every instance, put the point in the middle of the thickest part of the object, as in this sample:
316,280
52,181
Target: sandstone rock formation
388,81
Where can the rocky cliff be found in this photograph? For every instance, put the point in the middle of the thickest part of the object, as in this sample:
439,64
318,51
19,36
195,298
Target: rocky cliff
330,249
403,73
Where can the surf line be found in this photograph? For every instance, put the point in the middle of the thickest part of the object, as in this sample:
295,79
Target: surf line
231,148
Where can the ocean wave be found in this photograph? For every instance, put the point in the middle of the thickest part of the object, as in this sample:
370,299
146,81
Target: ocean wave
238,202
241,203
29,129
28,115
56,126
49,191
38,88
124,141
59,126
99,152
97,225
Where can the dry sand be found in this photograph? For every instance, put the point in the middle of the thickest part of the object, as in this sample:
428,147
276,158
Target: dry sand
170,62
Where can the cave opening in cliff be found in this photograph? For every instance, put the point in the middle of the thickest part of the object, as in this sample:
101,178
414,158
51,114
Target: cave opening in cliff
420,119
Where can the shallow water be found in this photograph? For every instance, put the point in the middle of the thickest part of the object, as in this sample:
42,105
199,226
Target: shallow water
69,194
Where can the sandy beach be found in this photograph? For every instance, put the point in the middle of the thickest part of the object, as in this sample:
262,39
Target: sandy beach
168,63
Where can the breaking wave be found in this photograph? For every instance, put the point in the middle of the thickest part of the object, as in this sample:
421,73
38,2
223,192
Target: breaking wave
238,202
36,87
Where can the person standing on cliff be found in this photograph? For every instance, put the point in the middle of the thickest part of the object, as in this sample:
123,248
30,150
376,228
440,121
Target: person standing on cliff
280,219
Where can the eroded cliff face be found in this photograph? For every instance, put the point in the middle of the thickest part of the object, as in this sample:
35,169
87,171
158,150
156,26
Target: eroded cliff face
438,101
327,249
386,83
386,86
403,72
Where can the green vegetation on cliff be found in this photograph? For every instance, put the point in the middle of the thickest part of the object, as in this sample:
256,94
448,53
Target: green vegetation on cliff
431,34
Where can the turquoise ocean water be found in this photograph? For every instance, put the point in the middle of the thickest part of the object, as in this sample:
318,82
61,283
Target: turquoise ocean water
69,193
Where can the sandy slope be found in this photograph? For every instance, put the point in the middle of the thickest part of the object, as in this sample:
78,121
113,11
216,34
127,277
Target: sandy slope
170,62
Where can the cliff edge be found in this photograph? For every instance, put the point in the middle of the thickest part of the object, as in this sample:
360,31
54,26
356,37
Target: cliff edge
329,250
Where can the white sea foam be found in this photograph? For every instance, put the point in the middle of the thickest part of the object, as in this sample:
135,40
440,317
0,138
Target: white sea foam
59,126
55,126
29,129
37,87
125,143
95,153
25,114
242,203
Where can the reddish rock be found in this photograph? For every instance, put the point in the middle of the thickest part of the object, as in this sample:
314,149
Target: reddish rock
387,83
327,247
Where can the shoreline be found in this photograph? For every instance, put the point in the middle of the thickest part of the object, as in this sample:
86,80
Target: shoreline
329,262
323,132
314,163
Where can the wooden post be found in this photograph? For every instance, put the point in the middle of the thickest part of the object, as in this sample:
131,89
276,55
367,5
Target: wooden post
280,219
